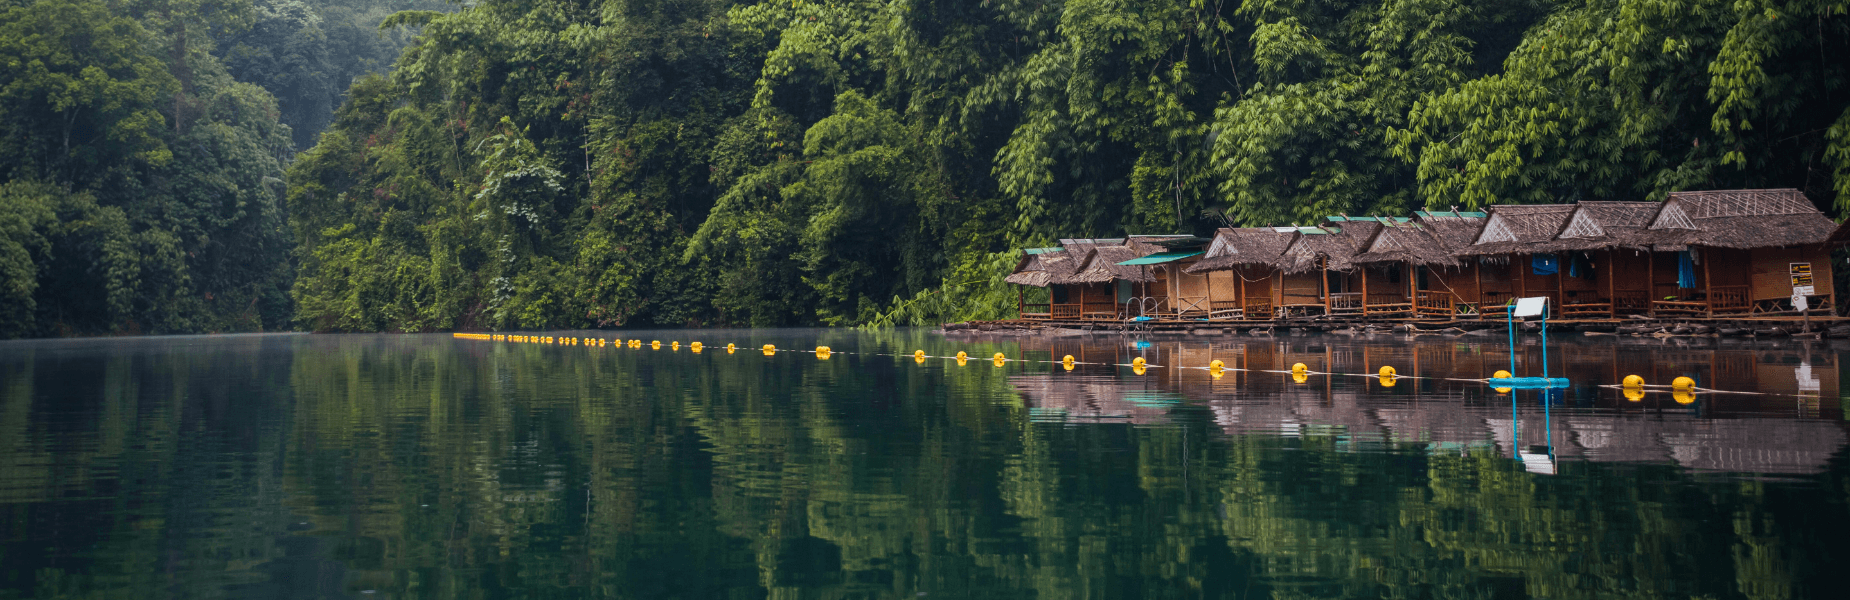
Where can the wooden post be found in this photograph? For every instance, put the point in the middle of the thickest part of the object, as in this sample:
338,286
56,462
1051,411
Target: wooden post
1708,287
1612,292
1323,267
1650,283
1561,281
1019,307
1522,279
1364,304
1477,276
1240,272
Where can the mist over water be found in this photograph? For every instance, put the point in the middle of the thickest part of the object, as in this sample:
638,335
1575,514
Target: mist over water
424,466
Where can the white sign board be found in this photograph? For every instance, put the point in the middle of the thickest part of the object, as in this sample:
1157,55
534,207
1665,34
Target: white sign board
1798,301
1530,307
1803,290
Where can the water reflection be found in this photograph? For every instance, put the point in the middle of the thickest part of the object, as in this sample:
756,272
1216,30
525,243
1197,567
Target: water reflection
1774,431
427,467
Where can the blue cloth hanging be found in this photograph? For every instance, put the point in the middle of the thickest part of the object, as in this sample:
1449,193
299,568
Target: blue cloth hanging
1545,264
1686,270
1573,265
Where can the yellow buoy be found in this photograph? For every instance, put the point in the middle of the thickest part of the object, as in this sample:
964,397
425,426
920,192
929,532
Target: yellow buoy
696,346
1300,377
962,356
1139,369
769,349
730,348
675,347
822,352
1215,367
1683,396
1216,374
1500,374
1139,362
1386,376
1067,362
999,357
1632,381
655,345
1000,360
1300,368
963,360
1682,383
918,355
1633,394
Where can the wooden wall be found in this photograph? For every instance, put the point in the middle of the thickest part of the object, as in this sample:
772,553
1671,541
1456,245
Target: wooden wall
1771,271
1629,269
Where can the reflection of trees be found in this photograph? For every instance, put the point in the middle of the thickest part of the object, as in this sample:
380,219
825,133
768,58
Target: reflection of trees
455,469
871,476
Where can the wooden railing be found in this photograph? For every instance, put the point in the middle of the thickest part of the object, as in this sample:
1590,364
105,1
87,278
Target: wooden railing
1729,298
1631,301
1346,303
1225,309
1192,305
1063,311
1438,304
1035,310
1258,309
1099,310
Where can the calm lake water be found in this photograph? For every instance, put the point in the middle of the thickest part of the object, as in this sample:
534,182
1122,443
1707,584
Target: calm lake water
423,466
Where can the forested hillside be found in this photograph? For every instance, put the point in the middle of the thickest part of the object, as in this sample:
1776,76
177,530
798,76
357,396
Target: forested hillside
142,155
551,163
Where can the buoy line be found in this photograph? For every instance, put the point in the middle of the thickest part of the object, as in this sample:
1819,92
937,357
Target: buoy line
1682,389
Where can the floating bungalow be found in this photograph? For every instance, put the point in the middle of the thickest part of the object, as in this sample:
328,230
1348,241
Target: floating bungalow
1707,254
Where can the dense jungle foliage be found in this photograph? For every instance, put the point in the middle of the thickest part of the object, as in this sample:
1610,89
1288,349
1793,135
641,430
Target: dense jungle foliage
554,163
142,154
567,163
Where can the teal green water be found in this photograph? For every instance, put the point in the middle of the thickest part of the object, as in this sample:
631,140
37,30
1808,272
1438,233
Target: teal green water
422,466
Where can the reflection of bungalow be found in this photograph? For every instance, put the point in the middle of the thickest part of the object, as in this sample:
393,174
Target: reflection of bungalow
1739,251
1241,277
1326,253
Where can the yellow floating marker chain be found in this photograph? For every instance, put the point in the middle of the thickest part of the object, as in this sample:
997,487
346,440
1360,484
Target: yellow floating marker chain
695,347
1000,359
769,349
1386,376
1067,362
822,352
730,348
918,356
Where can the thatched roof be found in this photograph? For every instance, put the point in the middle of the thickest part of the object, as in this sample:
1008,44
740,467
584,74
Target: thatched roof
1030,270
1453,230
1234,248
1740,219
1603,226
1101,266
1336,246
1516,228
1405,242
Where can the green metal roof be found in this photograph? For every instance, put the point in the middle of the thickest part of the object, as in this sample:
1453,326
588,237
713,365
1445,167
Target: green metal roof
1444,213
1040,250
1159,258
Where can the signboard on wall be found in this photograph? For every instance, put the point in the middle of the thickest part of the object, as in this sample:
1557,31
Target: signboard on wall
1801,274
